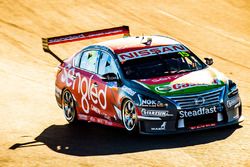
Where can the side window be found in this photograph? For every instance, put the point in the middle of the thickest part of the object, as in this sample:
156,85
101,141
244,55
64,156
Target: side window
107,65
194,64
77,59
89,60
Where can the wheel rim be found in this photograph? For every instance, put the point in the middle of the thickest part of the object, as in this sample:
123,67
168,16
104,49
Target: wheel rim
129,115
68,106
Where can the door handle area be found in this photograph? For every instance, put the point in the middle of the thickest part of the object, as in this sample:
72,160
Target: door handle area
96,85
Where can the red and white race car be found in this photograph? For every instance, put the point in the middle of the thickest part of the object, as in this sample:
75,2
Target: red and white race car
150,84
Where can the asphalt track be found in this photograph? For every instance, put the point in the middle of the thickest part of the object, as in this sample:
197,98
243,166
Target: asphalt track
33,131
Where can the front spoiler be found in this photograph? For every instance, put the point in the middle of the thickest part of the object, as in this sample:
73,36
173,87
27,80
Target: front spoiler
184,130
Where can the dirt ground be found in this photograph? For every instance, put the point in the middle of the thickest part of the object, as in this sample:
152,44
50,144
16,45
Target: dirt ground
33,131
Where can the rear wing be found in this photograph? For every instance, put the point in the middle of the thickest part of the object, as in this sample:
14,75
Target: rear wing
82,36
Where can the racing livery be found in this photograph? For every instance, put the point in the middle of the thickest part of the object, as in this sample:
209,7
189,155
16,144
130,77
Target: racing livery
150,84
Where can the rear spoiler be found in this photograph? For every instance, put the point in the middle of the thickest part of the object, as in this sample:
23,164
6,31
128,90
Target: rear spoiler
82,36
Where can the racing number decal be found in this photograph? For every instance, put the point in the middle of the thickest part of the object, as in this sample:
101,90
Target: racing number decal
184,54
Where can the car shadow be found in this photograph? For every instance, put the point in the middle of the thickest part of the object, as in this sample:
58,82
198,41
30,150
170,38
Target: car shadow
92,139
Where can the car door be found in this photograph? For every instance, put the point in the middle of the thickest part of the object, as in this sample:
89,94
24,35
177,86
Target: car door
110,89
85,84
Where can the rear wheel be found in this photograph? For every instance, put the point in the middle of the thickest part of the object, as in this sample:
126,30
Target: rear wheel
129,117
68,105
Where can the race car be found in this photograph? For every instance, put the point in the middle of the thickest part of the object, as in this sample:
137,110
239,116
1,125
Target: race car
146,84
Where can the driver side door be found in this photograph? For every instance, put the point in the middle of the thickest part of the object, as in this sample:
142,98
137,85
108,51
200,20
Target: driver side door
107,65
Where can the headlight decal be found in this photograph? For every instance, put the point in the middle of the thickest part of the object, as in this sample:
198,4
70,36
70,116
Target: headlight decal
233,101
232,89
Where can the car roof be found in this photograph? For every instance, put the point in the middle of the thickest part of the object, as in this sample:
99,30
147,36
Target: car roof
122,45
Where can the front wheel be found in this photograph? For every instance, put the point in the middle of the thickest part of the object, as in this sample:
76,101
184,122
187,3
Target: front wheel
68,105
129,117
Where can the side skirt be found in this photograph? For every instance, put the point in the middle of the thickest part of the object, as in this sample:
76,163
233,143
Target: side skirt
99,120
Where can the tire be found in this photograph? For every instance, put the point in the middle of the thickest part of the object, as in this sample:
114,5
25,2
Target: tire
68,106
129,117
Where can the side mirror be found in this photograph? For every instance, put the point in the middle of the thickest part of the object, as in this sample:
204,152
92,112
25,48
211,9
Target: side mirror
109,77
209,60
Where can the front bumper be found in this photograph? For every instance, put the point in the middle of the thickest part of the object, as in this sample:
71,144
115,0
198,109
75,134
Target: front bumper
175,124
164,131
216,110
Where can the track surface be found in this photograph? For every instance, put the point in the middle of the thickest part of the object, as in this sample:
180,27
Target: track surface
33,131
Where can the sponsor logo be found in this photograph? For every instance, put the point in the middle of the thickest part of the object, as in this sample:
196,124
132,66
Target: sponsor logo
86,88
157,113
200,111
188,85
83,36
163,127
163,88
147,102
128,90
202,126
151,52
66,38
162,79
199,101
233,101
152,103
180,86
95,109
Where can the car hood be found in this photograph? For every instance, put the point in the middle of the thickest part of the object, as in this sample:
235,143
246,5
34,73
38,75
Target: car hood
185,83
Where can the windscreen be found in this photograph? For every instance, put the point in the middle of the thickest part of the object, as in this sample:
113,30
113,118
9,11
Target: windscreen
161,65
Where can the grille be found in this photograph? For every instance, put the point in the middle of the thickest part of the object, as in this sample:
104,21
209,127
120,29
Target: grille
211,98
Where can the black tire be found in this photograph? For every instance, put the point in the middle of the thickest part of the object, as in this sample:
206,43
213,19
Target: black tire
68,106
129,117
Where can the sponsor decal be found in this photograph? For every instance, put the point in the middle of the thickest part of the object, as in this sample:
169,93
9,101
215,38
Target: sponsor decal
95,109
98,120
163,127
181,86
233,101
188,85
151,52
157,113
104,33
86,88
200,111
128,90
82,36
163,88
83,117
161,80
202,126
66,38
152,103
184,54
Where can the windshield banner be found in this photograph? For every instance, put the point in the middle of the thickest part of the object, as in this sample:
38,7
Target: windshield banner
151,52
